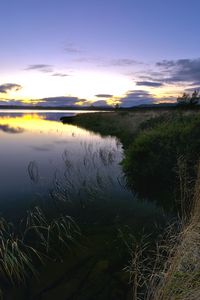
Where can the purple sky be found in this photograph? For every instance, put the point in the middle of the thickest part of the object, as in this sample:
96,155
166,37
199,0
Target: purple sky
98,51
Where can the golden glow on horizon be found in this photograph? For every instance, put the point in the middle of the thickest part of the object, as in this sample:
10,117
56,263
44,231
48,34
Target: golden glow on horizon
167,93
82,84
30,122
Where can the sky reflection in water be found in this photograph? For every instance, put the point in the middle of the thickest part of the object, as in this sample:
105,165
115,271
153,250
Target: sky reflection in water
39,156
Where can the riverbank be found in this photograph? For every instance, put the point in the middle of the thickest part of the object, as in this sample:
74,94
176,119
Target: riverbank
121,124
168,130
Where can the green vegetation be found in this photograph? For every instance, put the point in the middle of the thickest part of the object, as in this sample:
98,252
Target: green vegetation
155,142
123,124
152,158
161,150
28,244
161,154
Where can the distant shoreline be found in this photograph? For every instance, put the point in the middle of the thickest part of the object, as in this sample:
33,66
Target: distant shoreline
3,107
148,107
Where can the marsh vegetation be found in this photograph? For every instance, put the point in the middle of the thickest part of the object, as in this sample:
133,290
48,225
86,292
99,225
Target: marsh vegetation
110,206
162,161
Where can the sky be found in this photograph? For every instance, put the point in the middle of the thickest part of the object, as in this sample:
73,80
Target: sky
98,52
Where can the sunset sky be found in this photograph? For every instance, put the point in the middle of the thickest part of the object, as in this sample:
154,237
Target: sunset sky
83,52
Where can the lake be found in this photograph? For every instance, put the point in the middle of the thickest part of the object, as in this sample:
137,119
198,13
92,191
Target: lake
43,162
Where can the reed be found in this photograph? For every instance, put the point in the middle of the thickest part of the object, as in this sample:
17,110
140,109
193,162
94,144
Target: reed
23,247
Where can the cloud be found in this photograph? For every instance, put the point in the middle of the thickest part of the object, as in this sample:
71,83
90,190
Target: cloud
105,62
46,69
104,96
191,90
7,87
59,75
60,101
100,103
70,48
123,62
181,70
149,83
40,67
137,97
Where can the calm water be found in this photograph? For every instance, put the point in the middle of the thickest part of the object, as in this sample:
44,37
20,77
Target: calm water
40,158
44,162
38,153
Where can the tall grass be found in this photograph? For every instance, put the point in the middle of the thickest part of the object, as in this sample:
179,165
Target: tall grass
93,179
123,125
26,245
171,270
182,278
165,149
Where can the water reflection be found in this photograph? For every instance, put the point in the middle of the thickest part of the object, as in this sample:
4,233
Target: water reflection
67,170
49,163
44,141
9,129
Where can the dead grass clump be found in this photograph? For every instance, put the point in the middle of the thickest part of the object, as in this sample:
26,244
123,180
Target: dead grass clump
181,278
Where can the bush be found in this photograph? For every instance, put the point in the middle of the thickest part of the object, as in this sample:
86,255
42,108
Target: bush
151,160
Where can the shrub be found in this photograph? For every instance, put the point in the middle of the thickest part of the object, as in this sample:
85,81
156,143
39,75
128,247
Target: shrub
151,159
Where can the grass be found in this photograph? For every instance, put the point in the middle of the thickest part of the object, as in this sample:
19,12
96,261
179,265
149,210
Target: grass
26,245
89,198
153,155
161,147
123,124
151,139
181,277
154,143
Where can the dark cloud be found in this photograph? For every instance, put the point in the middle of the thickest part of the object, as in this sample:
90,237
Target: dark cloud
41,67
49,101
60,101
10,102
104,96
60,75
134,98
191,90
5,88
181,70
9,129
149,83
46,69
100,103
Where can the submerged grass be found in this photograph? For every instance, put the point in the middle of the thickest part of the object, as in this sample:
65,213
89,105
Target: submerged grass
26,245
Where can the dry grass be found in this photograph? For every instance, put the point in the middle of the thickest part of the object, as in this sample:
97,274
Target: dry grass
181,277
121,124
172,270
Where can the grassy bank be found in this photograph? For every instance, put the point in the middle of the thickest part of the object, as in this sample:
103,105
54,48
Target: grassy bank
122,124
158,145
162,148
